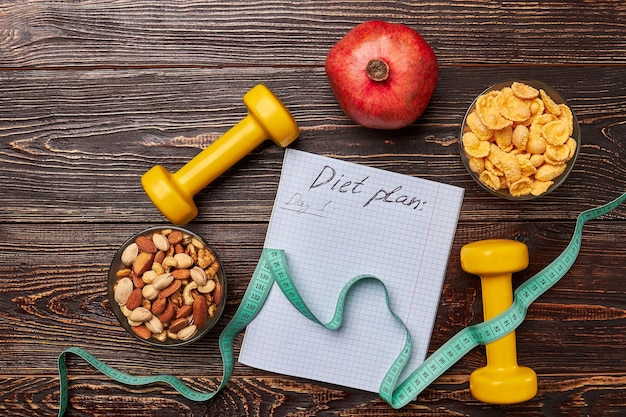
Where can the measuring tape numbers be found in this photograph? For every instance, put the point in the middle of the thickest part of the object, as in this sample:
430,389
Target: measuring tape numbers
272,268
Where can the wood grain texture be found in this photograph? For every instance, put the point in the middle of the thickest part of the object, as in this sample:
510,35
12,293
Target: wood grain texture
60,296
94,93
109,127
50,34
278,396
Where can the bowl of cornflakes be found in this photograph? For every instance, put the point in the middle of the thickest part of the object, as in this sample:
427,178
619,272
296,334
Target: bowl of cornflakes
519,139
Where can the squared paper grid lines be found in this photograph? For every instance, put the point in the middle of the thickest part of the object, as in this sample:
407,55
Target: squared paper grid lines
335,220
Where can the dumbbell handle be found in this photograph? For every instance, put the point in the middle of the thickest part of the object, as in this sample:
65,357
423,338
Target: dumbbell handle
222,154
498,290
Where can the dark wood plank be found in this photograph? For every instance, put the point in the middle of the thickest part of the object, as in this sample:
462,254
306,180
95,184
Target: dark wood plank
576,396
54,295
49,34
64,131
95,93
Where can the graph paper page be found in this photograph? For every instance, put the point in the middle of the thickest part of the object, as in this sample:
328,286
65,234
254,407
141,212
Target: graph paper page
336,220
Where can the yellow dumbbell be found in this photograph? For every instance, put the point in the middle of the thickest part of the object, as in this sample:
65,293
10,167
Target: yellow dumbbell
502,381
268,118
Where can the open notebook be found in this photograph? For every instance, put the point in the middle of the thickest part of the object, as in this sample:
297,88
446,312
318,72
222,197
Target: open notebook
336,220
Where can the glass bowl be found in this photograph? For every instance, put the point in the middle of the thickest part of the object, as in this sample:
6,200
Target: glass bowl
476,166
147,295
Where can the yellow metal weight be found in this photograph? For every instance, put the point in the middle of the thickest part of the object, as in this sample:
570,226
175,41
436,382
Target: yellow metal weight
268,118
502,380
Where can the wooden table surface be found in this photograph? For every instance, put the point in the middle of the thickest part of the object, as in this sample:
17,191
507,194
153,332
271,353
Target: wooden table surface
94,93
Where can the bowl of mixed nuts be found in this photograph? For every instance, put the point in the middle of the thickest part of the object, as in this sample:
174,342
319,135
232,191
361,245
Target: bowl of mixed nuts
166,286
519,139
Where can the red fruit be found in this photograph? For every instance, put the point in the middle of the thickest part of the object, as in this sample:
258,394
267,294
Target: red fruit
382,74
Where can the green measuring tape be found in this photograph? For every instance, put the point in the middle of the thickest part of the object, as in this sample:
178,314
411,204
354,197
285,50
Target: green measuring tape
272,267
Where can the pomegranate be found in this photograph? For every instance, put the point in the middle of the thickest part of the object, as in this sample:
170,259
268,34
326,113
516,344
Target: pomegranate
382,74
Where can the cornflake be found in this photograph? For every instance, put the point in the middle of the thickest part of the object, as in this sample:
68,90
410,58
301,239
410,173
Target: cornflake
519,138
475,147
488,109
524,91
478,128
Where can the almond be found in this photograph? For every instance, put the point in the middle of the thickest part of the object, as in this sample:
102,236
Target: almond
138,281
142,263
158,258
158,306
142,331
168,314
217,294
178,324
184,311
135,299
145,244
181,273
200,311
175,237
173,287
